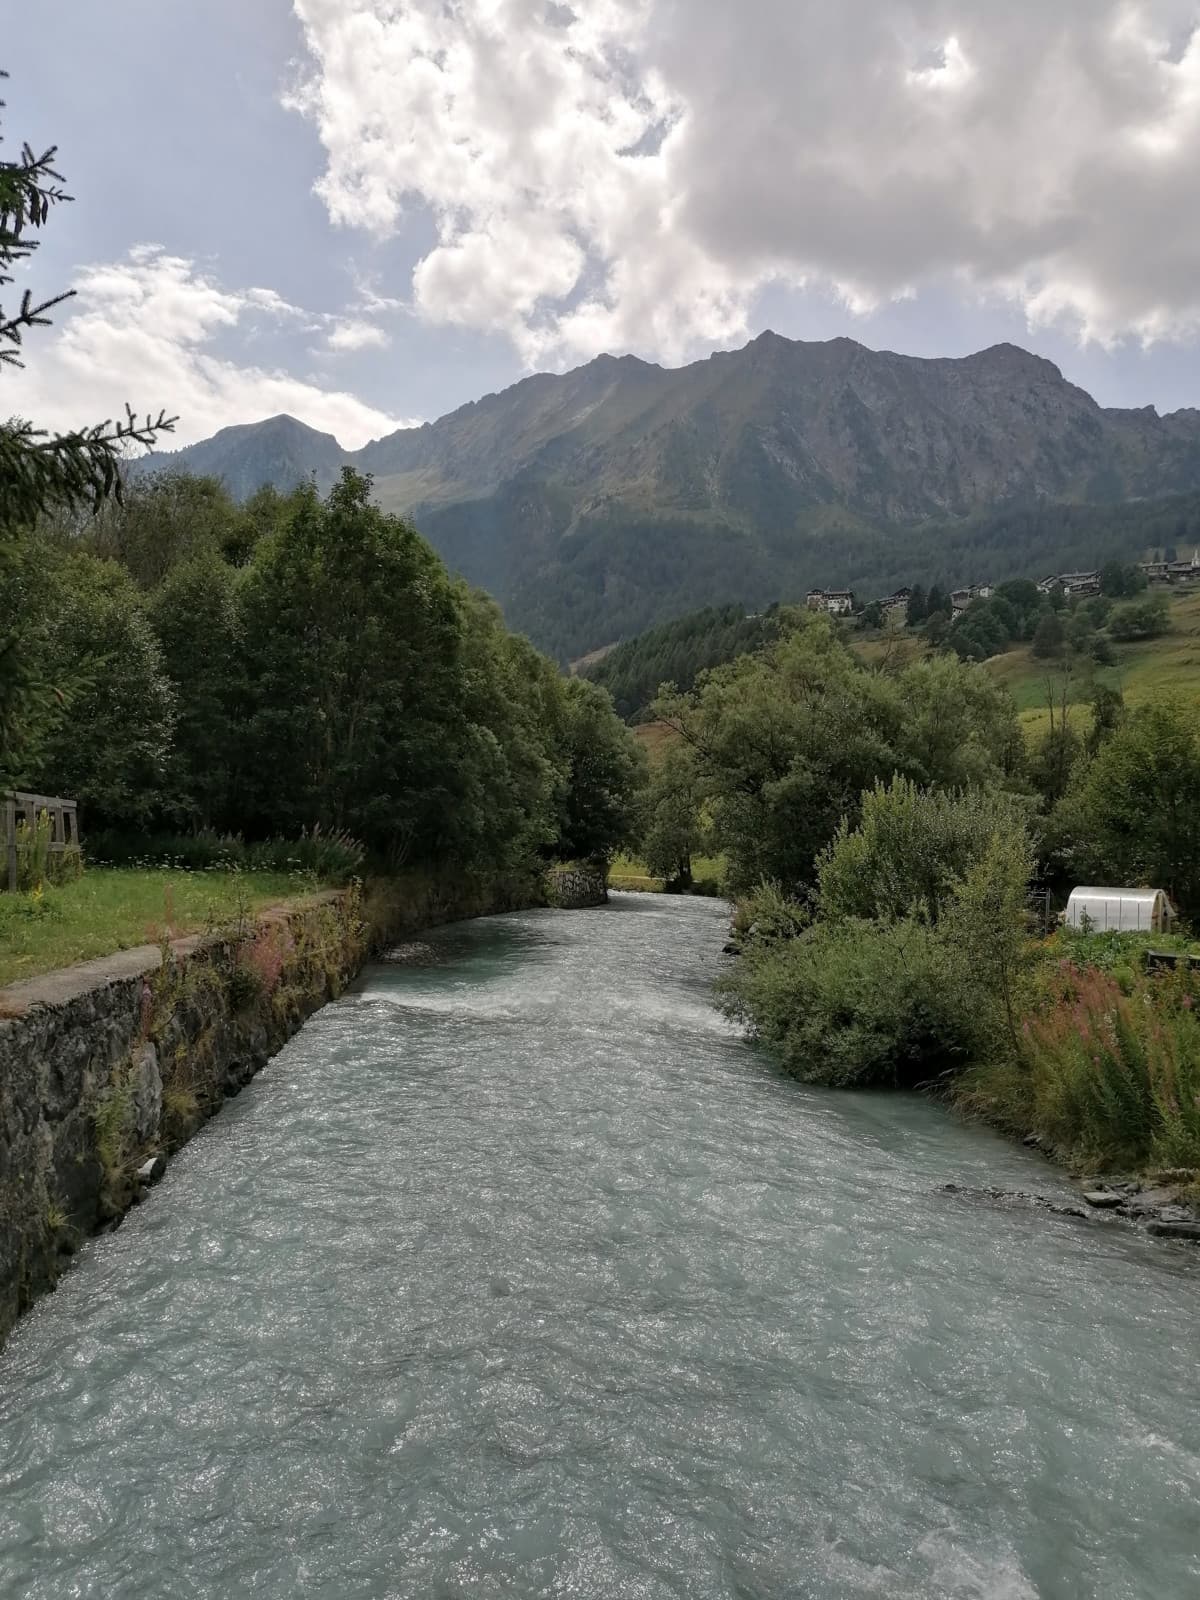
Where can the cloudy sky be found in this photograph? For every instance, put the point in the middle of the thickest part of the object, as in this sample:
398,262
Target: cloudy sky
366,212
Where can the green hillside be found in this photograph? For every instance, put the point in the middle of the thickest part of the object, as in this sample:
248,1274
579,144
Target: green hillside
1153,669
677,652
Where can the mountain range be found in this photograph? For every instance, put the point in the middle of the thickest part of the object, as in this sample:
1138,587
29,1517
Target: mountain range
596,502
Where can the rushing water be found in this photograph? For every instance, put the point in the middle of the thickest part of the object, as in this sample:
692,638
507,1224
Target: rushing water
519,1274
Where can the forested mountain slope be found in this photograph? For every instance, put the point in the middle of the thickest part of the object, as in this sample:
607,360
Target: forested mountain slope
597,502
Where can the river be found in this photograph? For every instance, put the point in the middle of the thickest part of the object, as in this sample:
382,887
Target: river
519,1273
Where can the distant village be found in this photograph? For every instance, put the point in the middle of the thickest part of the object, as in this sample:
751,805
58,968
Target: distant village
1072,585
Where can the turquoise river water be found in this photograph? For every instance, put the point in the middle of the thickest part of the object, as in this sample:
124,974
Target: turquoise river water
519,1273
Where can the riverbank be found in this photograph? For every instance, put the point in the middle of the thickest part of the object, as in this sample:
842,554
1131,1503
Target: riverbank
109,1067
520,1271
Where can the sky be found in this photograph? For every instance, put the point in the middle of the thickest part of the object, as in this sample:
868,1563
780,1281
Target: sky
369,212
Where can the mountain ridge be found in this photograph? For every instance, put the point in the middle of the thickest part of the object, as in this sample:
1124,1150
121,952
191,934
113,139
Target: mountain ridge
600,493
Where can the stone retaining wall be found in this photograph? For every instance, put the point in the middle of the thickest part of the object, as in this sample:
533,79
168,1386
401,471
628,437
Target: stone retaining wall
109,1067
577,887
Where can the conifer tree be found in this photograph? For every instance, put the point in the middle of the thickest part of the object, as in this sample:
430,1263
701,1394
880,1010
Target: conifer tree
40,469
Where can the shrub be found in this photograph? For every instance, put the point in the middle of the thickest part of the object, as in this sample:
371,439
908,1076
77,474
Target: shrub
1141,619
37,864
910,849
1114,1076
857,1003
769,915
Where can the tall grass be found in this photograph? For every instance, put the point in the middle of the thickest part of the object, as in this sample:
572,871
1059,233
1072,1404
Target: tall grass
1109,1070
331,857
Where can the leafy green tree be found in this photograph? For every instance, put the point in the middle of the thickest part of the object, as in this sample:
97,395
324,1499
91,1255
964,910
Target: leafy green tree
164,520
937,627
1119,581
1108,713
918,606
353,644
512,770
958,727
32,694
787,741
111,746
605,776
1049,637
196,615
986,927
937,600
674,829
1133,817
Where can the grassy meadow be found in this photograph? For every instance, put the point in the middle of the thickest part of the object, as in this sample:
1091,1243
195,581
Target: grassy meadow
628,872
110,909
1151,669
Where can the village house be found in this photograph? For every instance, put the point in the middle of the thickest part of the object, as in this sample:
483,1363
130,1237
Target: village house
1074,585
834,602
895,606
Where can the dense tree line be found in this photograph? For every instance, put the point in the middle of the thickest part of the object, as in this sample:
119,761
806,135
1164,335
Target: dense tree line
173,660
301,662
678,652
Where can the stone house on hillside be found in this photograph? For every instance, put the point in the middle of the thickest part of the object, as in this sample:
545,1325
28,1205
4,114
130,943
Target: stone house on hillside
834,602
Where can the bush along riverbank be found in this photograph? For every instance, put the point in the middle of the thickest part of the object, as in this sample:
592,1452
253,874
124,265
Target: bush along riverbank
884,827
108,1068
916,969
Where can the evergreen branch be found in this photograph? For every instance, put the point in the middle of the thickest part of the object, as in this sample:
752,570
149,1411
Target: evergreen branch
80,468
29,316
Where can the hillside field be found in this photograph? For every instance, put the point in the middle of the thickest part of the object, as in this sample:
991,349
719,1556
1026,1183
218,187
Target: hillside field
1153,669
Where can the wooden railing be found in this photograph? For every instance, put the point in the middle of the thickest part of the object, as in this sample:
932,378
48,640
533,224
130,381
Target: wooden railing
27,808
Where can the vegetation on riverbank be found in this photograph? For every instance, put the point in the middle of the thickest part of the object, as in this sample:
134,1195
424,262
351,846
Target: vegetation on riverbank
883,827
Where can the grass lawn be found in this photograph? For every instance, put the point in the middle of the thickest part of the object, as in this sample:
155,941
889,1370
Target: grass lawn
1153,669
628,872
117,909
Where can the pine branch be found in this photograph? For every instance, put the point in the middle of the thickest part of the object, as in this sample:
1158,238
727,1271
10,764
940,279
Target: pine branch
81,468
29,316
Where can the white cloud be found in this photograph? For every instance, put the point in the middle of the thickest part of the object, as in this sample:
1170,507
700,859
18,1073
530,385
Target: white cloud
143,328
630,173
356,334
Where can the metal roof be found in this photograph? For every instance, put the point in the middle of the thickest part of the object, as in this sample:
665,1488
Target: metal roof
1135,896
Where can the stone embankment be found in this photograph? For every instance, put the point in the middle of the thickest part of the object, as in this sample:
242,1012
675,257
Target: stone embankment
107,1068
577,886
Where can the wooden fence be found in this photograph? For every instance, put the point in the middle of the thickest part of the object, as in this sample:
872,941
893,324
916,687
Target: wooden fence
27,808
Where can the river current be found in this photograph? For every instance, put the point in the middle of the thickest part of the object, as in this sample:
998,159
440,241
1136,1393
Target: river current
519,1273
